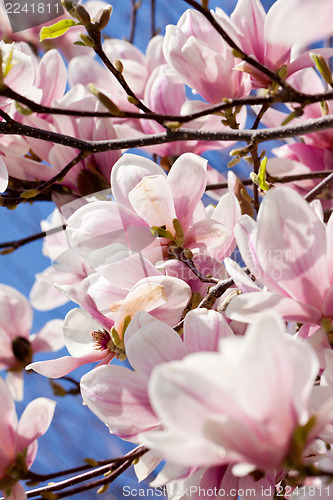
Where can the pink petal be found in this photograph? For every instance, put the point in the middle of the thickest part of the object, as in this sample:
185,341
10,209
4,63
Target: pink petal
303,21
178,295
118,397
181,451
187,180
153,201
207,236
249,17
128,172
203,329
120,268
328,303
247,306
49,338
15,382
242,280
105,161
15,312
291,246
329,234
51,77
153,344
8,422
34,421
3,176
56,368
101,223
82,298
43,295
246,234
77,328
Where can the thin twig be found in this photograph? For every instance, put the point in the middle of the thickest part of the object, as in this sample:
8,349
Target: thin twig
216,292
273,180
13,245
181,256
152,18
95,34
137,452
133,15
183,134
316,191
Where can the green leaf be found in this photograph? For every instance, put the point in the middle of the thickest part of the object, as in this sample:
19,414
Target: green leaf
262,175
57,29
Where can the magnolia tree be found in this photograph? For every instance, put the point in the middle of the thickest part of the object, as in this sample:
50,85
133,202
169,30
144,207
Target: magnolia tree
204,301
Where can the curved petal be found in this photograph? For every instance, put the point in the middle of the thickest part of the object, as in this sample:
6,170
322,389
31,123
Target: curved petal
49,338
303,21
152,200
15,383
203,329
77,328
34,421
177,295
247,306
8,423
127,172
153,344
51,77
3,176
187,180
102,223
15,312
56,368
118,397
209,236
291,246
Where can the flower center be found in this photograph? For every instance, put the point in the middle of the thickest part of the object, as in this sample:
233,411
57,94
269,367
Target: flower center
104,342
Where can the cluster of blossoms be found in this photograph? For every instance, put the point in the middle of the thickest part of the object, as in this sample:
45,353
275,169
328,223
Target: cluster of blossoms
220,316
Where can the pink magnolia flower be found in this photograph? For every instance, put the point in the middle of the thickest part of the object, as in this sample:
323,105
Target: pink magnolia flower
110,301
18,440
146,199
288,251
201,59
258,36
240,406
118,396
17,346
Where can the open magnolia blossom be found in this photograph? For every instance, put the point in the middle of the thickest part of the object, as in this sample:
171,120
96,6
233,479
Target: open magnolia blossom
288,250
148,343
154,213
98,332
242,406
18,440
17,345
